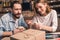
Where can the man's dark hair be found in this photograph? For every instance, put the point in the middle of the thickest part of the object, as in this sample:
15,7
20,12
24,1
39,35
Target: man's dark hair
14,2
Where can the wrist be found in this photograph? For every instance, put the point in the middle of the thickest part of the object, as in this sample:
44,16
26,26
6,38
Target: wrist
12,32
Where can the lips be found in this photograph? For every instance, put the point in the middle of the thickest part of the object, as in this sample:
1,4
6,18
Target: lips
18,13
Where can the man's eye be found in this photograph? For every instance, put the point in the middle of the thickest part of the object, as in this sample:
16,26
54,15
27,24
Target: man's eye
16,9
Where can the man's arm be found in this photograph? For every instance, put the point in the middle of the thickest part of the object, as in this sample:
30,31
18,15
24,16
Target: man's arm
23,23
2,33
7,33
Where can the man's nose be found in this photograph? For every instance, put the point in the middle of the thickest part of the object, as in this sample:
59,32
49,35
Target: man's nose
19,11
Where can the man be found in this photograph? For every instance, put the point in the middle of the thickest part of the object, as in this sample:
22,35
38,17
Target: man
12,23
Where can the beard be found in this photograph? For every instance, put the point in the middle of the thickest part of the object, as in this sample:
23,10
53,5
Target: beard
17,15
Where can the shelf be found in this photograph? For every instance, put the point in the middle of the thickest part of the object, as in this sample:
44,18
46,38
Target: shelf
53,1
55,6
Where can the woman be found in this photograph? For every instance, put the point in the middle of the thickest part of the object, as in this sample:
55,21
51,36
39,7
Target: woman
45,18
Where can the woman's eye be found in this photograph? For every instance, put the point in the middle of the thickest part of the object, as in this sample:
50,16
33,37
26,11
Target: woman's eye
40,7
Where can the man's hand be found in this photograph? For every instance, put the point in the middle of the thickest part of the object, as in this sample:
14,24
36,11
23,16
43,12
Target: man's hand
21,29
16,31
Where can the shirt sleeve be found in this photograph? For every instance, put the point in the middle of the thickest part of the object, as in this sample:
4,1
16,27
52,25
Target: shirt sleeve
54,20
1,28
23,23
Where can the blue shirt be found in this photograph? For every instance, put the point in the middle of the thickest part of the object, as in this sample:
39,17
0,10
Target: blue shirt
7,23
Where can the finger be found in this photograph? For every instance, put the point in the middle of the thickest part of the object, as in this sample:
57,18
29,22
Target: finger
20,30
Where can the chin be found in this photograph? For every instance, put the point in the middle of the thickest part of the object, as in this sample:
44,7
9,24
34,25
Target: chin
17,16
42,13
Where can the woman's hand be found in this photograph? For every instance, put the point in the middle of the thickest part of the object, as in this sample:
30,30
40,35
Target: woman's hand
38,26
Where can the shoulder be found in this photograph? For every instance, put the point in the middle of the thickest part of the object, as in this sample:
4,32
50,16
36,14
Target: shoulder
53,14
5,16
53,11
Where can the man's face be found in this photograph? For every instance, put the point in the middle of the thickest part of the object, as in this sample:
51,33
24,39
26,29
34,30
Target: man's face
17,10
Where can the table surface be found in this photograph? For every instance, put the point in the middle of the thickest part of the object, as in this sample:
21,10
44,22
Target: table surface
56,33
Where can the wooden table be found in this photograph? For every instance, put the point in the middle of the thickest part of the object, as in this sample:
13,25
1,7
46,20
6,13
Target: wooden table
30,34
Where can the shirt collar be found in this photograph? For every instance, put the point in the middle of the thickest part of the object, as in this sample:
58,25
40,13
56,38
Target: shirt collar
11,17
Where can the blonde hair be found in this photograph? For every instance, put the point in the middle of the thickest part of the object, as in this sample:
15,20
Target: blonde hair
48,8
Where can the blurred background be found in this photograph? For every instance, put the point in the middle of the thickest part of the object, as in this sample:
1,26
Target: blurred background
28,9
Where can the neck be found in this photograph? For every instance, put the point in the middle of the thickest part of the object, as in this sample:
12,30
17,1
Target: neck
44,14
15,18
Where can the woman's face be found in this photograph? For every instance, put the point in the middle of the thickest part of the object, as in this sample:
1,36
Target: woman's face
41,8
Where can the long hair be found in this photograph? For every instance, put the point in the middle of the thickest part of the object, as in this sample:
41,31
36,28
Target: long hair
48,8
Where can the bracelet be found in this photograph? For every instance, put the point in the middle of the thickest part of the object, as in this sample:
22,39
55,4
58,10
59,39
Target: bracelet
12,32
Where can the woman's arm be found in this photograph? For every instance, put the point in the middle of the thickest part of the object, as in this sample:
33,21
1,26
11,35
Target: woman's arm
54,23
